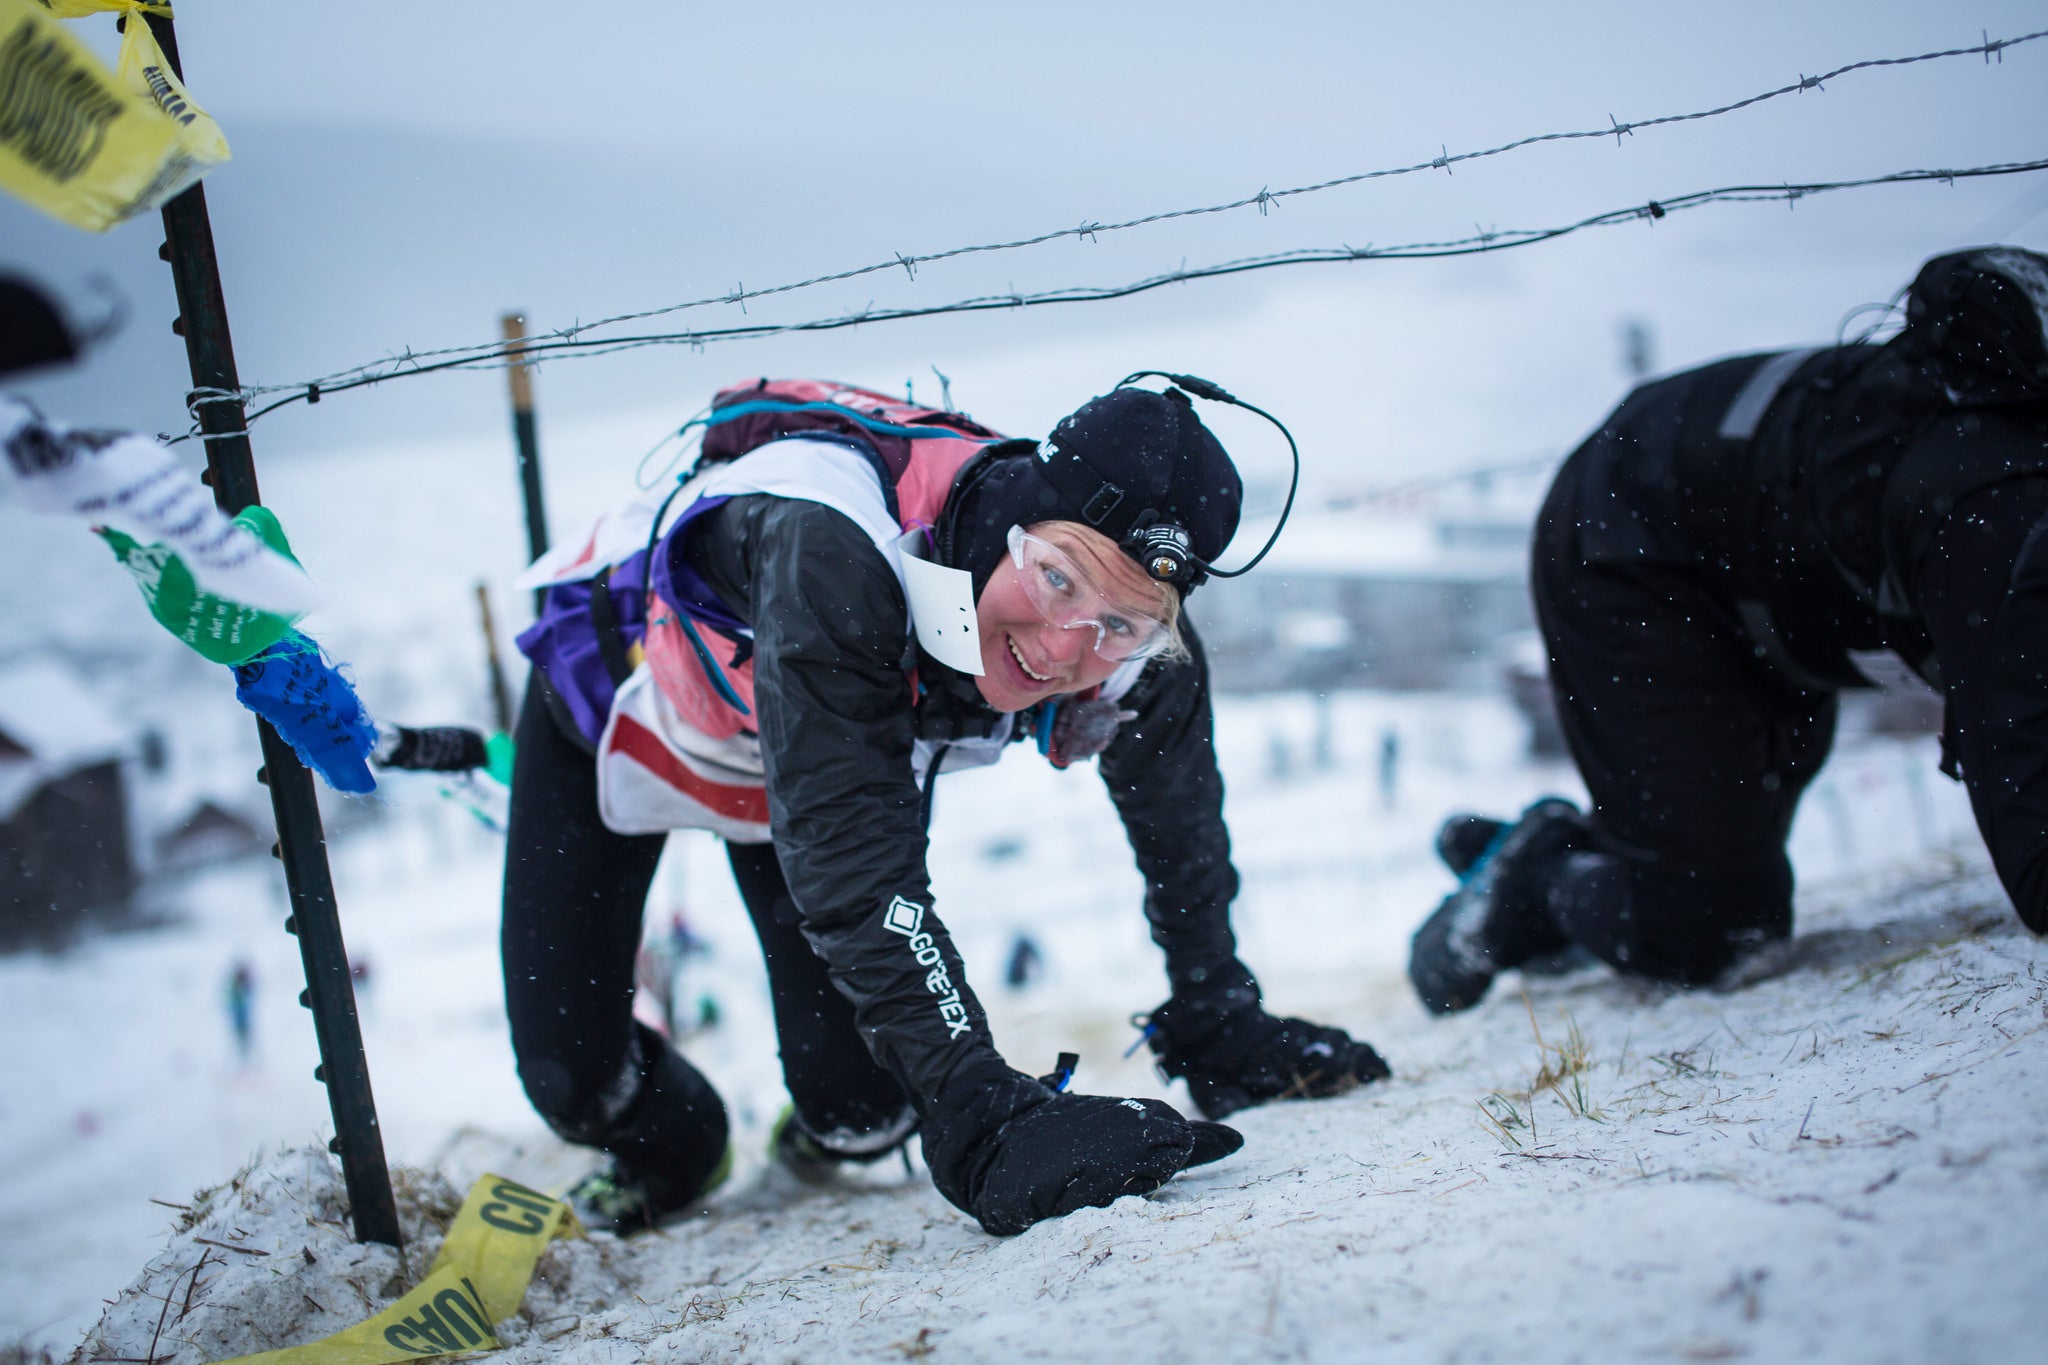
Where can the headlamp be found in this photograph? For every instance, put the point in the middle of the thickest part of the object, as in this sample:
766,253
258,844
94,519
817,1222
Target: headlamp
1165,553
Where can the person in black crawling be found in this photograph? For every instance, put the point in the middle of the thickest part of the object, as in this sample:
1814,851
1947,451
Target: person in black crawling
1704,567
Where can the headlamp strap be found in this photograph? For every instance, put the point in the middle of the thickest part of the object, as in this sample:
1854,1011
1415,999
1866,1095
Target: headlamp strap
1216,393
1161,548
1100,500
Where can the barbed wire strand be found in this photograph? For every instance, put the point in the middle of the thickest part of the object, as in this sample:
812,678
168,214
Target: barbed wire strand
1400,491
1480,243
1263,201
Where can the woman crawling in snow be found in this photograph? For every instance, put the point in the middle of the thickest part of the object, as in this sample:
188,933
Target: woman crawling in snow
855,596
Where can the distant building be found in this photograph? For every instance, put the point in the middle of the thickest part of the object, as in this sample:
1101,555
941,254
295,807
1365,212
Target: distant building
65,835
213,830
1423,590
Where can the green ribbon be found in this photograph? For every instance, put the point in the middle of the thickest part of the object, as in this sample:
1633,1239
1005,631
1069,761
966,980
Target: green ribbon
222,631
500,751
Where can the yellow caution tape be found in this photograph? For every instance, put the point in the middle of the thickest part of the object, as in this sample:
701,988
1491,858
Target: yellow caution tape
477,1281
87,145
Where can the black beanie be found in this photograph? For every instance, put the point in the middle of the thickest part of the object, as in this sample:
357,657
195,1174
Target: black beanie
1118,463
1979,320
32,331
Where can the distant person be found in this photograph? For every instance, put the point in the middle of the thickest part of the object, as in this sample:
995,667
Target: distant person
1325,739
654,978
240,998
1390,766
854,595
1279,756
1703,567
683,940
1026,965
689,1009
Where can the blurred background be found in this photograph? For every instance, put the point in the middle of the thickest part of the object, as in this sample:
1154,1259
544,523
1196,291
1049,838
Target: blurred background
404,174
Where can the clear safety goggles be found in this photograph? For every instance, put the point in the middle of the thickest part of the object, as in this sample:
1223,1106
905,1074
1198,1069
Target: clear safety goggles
1061,591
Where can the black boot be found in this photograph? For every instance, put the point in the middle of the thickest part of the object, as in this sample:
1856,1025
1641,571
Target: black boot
1498,918
1463,840
814,1158
669,1148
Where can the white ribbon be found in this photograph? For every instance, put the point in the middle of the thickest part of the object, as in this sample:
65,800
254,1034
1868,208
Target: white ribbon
134,484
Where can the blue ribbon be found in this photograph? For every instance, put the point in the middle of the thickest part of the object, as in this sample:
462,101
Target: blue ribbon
308,701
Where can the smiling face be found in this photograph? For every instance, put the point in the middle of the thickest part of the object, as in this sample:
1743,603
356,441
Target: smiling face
1025,658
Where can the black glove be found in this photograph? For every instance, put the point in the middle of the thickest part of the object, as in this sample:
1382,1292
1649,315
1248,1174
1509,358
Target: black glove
1234,1055
1011,1152
430,748
1083,729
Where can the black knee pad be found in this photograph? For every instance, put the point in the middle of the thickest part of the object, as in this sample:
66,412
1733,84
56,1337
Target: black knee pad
658,1113
576,1107
1666,924
675,1134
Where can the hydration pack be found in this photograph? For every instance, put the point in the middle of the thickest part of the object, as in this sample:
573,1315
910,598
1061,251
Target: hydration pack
749,415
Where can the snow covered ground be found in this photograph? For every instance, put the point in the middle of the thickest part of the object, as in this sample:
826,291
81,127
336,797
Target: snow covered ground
1834,1160
1765,1171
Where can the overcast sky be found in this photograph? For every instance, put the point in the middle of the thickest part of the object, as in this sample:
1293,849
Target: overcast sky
405,172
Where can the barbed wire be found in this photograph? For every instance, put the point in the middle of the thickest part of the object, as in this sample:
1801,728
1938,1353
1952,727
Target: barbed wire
1480,243
1403,490
1263,201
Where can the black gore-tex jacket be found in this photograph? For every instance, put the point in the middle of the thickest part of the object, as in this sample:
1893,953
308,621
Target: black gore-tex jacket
837,721
1812,491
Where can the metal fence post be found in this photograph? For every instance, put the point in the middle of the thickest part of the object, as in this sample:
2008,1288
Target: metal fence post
301,844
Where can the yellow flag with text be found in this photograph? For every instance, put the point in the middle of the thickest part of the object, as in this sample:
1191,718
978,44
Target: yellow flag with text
91,146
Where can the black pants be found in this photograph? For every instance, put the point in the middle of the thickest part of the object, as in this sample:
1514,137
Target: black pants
1695,752
1695,759
575,895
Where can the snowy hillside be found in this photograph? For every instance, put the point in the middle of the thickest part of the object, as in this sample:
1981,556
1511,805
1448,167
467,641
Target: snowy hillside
1766,1171
1824,1161
1838,1157
1836,1162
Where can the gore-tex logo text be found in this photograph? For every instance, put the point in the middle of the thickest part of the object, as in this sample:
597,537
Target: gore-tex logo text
906,917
